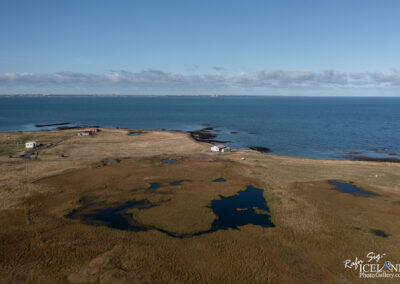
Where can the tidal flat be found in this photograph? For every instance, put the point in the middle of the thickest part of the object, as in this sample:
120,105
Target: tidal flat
66,216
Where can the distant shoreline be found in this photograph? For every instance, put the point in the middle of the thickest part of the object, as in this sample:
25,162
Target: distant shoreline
188,96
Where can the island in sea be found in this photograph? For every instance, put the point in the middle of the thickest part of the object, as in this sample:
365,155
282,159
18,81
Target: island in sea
127,205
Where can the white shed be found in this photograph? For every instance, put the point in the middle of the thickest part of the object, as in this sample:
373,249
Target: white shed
30,144
219,148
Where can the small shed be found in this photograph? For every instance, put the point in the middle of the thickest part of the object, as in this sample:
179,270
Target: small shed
87,132
219,148
30,145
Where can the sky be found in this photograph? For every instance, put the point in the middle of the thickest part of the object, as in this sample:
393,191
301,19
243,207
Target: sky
319,47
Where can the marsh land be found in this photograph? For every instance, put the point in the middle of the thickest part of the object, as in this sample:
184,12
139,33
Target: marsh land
159,207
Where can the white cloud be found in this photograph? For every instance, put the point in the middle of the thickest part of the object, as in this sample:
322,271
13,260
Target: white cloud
157,79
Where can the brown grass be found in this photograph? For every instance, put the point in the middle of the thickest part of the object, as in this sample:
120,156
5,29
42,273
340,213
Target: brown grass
317,228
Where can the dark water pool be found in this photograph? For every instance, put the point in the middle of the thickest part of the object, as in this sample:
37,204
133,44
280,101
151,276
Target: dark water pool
169,160
231,212
178,182
219,180
379,233
235,211
134,133
112,216
238,210
154,185
351,189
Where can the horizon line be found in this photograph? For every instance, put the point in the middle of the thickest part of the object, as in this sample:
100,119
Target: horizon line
209,95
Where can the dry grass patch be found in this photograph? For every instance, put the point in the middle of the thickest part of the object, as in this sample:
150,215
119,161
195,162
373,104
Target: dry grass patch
317,228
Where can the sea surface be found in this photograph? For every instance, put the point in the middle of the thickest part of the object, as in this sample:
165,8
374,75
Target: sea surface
312,127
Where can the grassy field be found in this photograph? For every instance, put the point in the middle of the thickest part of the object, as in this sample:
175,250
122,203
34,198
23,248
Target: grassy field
316,228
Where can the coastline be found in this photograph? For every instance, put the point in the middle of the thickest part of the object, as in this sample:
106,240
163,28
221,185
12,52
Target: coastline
237,122
209,136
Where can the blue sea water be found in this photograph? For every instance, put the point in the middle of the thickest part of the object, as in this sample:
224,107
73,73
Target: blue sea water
313,127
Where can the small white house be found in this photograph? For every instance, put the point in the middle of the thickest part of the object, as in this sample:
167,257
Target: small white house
30,145
88,132
214,149
219,148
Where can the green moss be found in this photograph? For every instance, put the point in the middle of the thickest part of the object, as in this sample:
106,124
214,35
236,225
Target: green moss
14,145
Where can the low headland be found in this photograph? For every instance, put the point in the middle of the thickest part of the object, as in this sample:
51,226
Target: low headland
127,205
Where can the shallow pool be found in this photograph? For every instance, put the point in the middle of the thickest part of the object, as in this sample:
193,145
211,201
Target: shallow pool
169,161
351,189
247,207
219,180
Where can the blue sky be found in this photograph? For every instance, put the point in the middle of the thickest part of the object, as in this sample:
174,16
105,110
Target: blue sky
200,47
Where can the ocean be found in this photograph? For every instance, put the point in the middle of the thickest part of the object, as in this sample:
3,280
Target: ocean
312,127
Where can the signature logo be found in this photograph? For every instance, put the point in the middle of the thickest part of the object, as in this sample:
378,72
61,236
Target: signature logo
373,265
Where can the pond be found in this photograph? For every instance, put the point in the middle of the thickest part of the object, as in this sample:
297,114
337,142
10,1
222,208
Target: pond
219,180
169,160
110,215
134,133
247,207
239,210
153,186
178,182
379,233
351,189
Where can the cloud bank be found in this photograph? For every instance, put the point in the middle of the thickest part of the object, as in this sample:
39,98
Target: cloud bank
157,81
